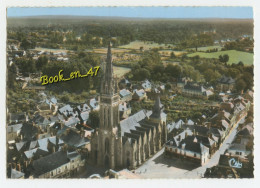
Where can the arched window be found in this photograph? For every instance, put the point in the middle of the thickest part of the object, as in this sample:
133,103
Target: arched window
106,145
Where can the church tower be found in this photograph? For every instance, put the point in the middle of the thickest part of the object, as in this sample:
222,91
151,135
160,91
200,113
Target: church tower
106,138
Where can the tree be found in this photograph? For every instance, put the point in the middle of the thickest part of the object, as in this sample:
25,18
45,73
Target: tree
173,55
65,99
224,58
240,85
41,62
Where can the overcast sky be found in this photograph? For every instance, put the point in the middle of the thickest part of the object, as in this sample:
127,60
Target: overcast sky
141,12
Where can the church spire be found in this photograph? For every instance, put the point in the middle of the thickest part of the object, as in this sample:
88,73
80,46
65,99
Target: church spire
107,84
157,108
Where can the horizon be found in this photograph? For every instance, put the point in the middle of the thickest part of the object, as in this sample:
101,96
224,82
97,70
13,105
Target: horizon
136,12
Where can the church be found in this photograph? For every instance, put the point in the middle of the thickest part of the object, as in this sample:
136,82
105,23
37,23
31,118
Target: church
128,143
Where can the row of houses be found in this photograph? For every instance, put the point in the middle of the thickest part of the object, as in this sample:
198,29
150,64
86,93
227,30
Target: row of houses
199,142
237,160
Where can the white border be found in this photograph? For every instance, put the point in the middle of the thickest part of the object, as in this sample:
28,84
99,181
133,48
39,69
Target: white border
133,183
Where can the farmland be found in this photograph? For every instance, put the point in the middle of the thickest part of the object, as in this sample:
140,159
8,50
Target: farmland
146,45
207,48
120,71
234,56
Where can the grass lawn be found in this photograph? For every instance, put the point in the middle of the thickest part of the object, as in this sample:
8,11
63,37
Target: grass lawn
120,71
234,56
146,45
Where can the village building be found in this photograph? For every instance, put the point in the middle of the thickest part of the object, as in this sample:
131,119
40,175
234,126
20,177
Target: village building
225,84
125,95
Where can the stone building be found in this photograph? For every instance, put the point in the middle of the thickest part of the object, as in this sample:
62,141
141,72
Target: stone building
128,143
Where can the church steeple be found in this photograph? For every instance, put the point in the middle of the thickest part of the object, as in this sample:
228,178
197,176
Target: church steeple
157,108
107,84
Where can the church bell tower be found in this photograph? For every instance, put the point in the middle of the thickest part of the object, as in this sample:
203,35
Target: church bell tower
108,115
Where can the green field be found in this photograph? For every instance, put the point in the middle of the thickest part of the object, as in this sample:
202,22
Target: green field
120,71
234,56
146,45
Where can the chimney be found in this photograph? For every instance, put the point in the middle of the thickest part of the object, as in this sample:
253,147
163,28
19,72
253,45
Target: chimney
19,167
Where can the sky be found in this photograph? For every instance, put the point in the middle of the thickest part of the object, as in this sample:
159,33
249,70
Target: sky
137,12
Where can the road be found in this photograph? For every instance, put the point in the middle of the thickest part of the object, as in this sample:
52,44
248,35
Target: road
160,167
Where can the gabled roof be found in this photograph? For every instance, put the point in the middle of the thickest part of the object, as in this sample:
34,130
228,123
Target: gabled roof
14,128
124,92
72,138
132,121
146,84
16,174
65,109
226,80
83,108
49,163
140,92
84,116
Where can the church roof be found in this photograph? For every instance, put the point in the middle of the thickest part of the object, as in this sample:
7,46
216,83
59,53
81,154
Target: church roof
133,121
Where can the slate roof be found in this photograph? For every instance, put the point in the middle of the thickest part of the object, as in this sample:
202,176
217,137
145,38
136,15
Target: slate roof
72,138
84,116
71,121
190,122
20,145
124,92
29,131
94,104
40,120
123,106
146,84
189,145
140,92
226,80
16,174
49,163
16,117
65,110
237,147
14,128
83,108
133,121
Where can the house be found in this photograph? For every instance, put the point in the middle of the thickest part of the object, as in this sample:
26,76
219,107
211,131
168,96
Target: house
124,110
60,164
13,131
94,104
225,84
17,117
125,95
187,148
84,116
15,174
66,110
73,139
139,95
196,91
239,150
28,132
124,83
83,108
146,85
42,122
